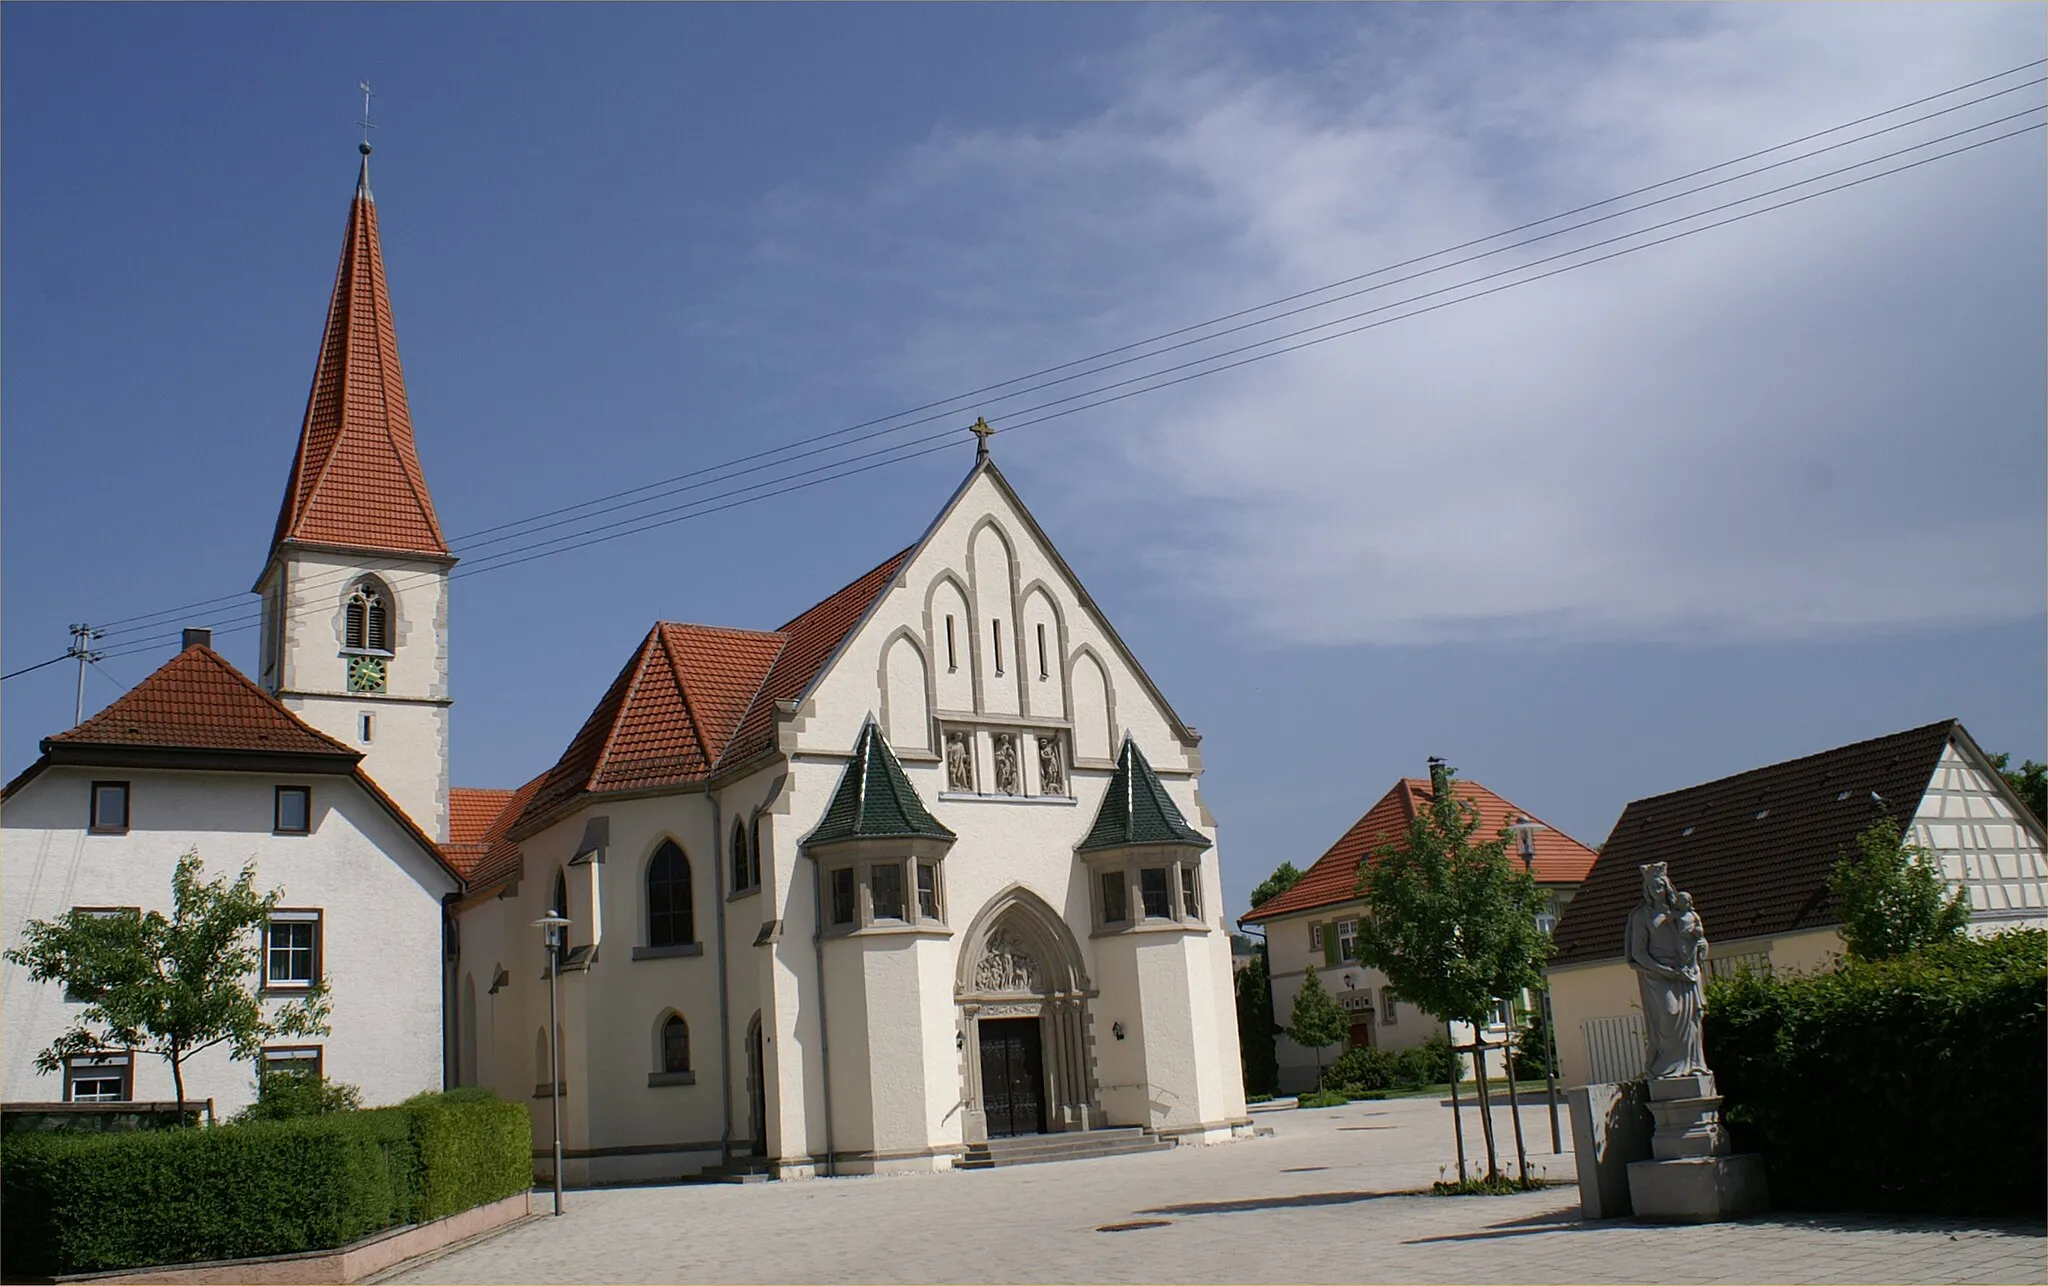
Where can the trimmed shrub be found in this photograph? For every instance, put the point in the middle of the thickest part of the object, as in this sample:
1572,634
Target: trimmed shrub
74,1203
1918,1084
1362,1068
1433,1062
290,1095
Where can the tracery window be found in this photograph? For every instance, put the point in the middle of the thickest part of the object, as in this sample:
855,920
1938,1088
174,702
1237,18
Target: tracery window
670,917
366,637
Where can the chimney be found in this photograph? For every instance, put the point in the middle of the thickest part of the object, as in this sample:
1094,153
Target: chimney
197,638
1436,775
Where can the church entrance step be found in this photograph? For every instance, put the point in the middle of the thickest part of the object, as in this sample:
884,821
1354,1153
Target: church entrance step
1034,1149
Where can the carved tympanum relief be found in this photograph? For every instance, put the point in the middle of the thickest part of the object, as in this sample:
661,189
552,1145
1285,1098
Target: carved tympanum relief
1006,966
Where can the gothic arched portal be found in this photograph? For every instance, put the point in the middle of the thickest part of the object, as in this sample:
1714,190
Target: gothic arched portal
1023,994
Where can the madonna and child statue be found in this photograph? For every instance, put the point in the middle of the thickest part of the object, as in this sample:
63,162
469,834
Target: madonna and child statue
1667,947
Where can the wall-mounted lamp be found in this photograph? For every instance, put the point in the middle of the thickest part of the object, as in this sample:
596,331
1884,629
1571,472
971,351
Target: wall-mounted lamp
1116,1029
1350,983
959,1040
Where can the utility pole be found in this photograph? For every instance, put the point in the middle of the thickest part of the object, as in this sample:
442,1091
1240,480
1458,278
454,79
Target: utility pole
82,639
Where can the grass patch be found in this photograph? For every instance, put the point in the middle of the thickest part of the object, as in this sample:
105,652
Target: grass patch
1492,1185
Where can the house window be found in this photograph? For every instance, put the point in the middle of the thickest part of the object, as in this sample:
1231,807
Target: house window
739,857
1315,937
754,852
109,807
670,916
302,1059
843,907
1043,672
675,1044
292,814
1347,940
1390,1013
1152,892
1116,907
98,1078
365,725
995,629
291,950
1190,893
1503,1014
885,890
928,890
952,648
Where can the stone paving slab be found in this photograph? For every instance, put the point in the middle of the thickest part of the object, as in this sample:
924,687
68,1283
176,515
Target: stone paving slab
1337,1195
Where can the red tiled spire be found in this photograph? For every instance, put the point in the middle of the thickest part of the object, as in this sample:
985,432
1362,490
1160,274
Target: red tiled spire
356,481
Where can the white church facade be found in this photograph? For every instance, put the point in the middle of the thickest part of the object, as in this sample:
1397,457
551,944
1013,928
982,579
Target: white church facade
925,867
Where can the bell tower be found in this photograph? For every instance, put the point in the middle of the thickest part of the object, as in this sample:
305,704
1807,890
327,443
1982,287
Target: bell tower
355,591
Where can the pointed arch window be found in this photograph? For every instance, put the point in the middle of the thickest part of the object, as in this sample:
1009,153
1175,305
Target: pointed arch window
670,918
754,851
742,877
675,1045
561,907
368,627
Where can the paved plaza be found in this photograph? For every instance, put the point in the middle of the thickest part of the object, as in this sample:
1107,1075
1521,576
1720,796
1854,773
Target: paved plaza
1332,1196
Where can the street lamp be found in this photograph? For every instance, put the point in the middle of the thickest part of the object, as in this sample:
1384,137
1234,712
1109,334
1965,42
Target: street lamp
553,925
1525,842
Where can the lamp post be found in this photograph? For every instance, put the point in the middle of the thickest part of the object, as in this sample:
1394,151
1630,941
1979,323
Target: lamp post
552,926
1525,842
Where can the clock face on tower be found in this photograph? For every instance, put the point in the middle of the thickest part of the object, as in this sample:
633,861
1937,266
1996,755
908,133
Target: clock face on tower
366,674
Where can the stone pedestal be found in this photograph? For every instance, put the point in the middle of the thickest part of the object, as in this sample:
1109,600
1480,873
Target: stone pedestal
1611,1127
1692,1178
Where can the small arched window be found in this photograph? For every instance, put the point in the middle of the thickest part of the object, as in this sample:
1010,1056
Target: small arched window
675,1044
368,626
740,878
561,906
670,921
754,851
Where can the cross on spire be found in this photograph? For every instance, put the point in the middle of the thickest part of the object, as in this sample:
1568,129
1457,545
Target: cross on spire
983,432
366,122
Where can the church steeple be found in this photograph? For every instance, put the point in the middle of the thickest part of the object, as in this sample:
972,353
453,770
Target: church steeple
356,482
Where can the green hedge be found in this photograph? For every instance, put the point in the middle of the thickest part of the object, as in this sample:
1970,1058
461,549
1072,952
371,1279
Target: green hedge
1911,1085
91,1203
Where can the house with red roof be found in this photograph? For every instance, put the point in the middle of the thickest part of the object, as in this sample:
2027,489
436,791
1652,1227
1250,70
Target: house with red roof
1315,923
328,772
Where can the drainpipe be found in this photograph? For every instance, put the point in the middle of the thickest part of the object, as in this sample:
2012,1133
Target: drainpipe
724,992
824,1044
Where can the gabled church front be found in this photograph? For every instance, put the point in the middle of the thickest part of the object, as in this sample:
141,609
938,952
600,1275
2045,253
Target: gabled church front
925,867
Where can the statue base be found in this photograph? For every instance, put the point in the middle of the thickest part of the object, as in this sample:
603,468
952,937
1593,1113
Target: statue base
1698,1189
1693,1179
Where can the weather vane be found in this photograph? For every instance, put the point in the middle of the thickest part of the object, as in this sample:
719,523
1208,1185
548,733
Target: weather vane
366,123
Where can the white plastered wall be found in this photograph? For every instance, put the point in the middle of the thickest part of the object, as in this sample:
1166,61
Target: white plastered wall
378,892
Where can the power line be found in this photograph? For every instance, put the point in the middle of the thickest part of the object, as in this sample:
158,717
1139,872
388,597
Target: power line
145,621
904,452
31,669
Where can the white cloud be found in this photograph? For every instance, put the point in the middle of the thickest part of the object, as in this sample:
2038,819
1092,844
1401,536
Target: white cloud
1821,420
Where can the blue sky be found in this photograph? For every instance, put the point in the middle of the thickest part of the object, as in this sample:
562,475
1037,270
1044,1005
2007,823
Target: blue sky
1741,497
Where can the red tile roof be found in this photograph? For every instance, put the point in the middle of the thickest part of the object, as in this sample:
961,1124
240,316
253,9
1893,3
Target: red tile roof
356,481
1333,879
471,811
490,857
197,701
696,699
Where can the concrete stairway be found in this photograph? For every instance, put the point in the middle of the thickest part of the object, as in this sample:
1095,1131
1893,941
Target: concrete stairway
1030,1149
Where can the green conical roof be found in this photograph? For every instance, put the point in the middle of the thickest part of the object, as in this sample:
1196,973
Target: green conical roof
1137,810
875,800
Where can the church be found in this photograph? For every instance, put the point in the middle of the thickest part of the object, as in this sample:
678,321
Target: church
922,869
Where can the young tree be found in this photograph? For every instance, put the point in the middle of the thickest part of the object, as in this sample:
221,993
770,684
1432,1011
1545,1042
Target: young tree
1893,896
2030,783
1316,1021
1281,880
1451,921
168,986
1255,1027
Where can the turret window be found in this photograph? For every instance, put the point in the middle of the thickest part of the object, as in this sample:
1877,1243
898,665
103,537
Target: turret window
369,619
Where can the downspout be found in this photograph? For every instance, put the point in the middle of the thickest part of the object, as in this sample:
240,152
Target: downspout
724,992
824,1044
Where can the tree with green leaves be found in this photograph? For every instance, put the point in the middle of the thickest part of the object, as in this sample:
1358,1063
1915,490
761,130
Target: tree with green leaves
169,986
1282,879
1316,1021
2030,783
1255,1026
1451,921
1893,897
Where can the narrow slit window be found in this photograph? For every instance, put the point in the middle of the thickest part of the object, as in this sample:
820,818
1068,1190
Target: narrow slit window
1190,893
928,890
995,629
952,647
366,727
1043,672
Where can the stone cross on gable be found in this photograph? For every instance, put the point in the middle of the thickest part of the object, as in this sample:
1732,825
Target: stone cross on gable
982,430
